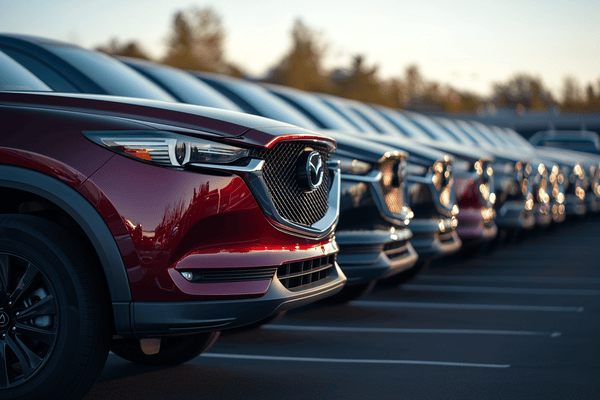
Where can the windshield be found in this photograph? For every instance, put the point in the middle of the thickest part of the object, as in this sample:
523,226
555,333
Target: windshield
258,101
435,131
379,123
313,108
14,77
474,134
110,74
184,86
402,123
493,137
513,137
358,124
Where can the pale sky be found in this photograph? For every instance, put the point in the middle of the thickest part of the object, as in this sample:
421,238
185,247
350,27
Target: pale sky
466,43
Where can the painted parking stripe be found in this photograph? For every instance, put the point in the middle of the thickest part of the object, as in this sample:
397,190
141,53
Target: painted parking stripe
282,327
510,279
500,290
455,306
351,360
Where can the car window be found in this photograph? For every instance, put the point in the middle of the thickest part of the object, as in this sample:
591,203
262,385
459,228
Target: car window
14,77
472,133
361,126
432,128
265,103
302,109
186,87
44,72
380,124
487,133
370,122
406,127
110,74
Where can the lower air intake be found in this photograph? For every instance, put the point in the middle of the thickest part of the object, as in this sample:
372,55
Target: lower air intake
396,249
301,273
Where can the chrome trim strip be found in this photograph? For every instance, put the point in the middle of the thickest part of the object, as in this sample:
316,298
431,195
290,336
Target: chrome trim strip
371,177
254,165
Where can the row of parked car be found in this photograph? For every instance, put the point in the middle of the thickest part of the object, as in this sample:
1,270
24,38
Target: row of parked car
133,222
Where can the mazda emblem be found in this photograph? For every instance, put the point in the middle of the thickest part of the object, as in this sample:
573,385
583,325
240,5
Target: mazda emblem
310,170
3,319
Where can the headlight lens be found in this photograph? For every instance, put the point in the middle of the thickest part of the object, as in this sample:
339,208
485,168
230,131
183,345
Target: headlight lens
167,149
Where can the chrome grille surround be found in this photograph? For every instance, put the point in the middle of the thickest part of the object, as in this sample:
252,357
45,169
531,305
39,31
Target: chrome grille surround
279,174
392,184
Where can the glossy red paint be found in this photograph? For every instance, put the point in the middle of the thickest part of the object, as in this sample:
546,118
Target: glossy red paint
475,219
467,195
161,219
188,219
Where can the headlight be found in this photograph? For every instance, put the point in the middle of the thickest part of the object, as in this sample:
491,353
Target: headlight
350,166
167,149
579,171
391,183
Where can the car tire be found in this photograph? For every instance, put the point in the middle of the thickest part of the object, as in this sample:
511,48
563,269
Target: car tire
55,326
174,350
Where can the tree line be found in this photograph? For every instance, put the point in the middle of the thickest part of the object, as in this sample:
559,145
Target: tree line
196,41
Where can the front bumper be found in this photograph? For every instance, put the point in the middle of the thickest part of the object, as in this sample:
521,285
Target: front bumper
574,206
473,227
592,203
543,214
513,215
152,319
558,213
370,255
430,241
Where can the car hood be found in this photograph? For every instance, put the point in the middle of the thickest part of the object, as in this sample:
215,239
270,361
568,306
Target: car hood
419,153
359,148
188,119
464,152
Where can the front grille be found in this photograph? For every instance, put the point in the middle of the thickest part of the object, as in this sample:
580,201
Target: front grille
234,274
279,174
296,274
396,249
393,194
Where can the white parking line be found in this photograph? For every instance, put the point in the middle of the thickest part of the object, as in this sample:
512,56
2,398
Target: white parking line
351,360
500,290
283,327
455,306
510,279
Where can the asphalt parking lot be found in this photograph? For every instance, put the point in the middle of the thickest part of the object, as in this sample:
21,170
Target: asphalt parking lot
520,323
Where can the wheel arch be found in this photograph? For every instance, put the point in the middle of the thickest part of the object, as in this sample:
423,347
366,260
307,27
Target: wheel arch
87,218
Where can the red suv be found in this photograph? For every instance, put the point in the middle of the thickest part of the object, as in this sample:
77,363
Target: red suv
155,224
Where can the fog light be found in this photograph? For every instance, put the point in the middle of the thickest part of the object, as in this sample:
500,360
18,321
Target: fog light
187,275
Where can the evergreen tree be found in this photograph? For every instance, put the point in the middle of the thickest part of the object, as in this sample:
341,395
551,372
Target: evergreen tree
301,67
